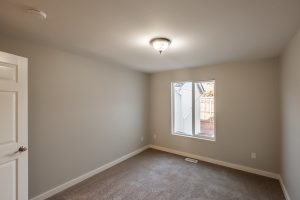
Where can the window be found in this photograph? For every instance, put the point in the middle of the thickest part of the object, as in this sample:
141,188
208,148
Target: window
183,114
193,109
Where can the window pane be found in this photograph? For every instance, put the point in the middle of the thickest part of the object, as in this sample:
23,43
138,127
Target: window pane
182,108
204,109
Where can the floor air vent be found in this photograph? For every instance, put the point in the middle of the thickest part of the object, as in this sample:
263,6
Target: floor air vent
191,160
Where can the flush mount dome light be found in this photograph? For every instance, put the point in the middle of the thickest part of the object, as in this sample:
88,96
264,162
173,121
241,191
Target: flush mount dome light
160,44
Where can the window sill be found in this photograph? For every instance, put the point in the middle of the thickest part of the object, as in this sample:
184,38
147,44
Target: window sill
195,137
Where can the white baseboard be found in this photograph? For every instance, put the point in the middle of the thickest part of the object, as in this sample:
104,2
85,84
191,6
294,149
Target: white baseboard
87,175
219,162
286,194
173,151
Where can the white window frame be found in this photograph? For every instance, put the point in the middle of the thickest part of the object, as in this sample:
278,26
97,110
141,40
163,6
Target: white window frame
193,112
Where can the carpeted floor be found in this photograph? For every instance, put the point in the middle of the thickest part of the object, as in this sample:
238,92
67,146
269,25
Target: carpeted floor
155,175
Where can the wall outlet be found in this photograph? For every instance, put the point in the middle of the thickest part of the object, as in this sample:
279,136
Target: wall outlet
253,155
154,136
142,139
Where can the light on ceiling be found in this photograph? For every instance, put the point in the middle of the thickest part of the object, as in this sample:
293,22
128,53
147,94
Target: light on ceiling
160,44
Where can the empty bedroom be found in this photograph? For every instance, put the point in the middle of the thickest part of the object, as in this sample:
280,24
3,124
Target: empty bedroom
149,100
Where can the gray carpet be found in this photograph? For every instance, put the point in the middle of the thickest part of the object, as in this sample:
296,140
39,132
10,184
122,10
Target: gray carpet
155,175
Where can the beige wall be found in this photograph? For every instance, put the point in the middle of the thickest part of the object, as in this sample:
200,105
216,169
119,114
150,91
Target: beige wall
247,112
82,113
290,83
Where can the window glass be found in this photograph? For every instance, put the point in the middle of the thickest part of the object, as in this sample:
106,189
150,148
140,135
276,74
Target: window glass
182,108
205,109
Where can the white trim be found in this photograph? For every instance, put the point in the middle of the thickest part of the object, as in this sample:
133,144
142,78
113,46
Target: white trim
211,139
285,192
219,162
173,151
87,175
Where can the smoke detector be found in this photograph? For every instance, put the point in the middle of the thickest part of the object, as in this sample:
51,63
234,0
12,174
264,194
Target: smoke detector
38,13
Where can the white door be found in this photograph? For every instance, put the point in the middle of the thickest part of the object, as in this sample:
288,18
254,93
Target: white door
13,128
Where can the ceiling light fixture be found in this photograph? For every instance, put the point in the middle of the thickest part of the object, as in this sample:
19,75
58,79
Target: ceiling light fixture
160,44
38,13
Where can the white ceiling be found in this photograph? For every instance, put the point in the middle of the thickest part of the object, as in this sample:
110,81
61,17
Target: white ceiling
202,31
